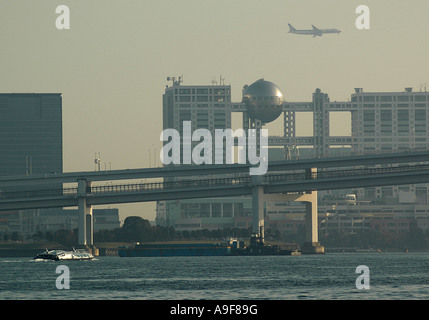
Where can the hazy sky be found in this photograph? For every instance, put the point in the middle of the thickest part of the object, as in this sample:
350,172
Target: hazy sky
111,66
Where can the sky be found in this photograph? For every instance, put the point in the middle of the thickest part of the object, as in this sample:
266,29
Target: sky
111,65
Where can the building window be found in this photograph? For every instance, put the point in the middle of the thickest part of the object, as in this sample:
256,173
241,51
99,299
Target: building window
202,91
202,98
216,209
369,99
185,98
386,98
227,209
185,91
403,98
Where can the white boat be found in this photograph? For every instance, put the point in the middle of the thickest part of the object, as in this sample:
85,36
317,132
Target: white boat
57,255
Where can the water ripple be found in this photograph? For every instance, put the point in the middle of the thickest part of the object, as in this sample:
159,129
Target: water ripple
329,276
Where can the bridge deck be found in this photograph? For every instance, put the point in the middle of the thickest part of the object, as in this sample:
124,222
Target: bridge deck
280,182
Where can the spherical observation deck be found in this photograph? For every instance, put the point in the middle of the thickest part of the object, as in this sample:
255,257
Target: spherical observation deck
264,100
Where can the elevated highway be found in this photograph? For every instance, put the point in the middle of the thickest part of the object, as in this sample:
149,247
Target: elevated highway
285,181
211,170
298,181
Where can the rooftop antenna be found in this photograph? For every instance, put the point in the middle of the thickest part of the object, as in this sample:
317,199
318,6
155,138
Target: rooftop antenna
175,82
221,80
97,161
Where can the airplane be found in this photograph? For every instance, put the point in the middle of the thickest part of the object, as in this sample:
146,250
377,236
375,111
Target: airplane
315,32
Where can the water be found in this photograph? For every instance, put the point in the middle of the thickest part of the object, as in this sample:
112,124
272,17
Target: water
329,276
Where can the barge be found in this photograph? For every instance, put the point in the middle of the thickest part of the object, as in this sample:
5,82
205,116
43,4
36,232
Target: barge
229,248
174,250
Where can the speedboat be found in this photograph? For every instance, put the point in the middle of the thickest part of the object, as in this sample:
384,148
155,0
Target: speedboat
80,254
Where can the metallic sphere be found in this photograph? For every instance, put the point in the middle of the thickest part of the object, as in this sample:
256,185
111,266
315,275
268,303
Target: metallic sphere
263,100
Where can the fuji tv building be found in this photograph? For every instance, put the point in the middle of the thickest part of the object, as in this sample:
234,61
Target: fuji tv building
381,122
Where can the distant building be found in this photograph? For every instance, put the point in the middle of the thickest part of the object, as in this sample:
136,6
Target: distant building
381,122
211,214
31,142
207,107
393,226
58,219
31,133
29,222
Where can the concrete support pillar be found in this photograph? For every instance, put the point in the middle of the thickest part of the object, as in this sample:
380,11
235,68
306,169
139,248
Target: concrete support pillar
89,226
257,126
85,221
245,121
311,222
82,222
311,219
258,211
311,244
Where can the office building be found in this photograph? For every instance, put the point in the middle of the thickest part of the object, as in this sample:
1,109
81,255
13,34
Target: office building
381,122
67,219
31,142
207,107
31,135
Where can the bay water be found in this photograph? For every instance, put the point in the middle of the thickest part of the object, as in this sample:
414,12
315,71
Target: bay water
329,276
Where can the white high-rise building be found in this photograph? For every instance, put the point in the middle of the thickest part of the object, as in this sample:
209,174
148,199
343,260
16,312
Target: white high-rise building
208,107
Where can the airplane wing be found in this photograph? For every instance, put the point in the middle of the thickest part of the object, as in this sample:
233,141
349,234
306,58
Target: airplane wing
317,32
315,29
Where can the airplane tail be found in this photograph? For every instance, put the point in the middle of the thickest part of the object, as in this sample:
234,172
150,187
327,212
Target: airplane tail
291,27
